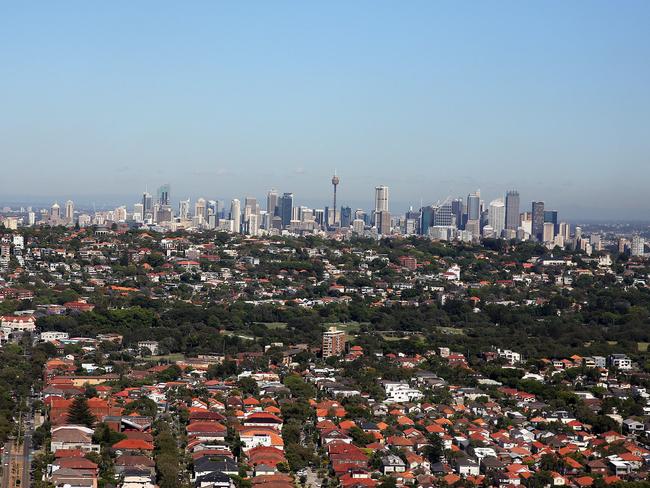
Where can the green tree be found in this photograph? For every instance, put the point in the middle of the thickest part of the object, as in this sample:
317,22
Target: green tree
79,412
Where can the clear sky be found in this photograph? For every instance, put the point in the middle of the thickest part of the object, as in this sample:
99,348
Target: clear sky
432,98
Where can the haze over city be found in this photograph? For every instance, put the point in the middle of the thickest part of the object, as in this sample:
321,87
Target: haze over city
223,100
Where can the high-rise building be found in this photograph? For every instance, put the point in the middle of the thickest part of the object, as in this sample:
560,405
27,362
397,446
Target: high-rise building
346,216
235,214
147,205
637,246
200,209
444,215
474,206
333,342
381,198
184,209
272,203
426,219
381,202
497,216
69,212
457,211
252,203
286,208
335,183
55,213
138,212
548,233
537,227
551,216
162,195
383,222
358,226
512,210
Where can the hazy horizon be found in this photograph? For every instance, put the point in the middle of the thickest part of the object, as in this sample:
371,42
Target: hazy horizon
433,99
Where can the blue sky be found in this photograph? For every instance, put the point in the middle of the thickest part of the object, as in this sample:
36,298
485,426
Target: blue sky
224,99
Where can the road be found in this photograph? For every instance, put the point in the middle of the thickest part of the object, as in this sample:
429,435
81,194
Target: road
16,459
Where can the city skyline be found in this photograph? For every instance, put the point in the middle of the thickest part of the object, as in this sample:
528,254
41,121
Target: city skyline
433,101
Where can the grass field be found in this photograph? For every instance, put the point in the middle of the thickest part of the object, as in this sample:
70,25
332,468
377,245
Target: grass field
450,330
273,325
169,357
643,346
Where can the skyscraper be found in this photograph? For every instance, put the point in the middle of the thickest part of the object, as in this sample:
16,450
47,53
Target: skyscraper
537,228
235,214
346,216
512,210
272,203
163,194
69,212
55,213
497,216
200,209
551,216
457,211
286,208
147,205
381,199
637,246
184,209
474,206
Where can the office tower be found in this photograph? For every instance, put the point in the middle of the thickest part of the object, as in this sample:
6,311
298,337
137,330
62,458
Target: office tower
346,216
551,216
473,227
163,213
497,216
623,244
333,342
637,246
55,213
383,222
200,209
548,232
272,203
235,214
253,226
137,212
381,198
381,202
147,205
358,226
286,208
474,206
69,211
537,230
335,183
31,218
184,209
319,216
564,229
443,215
426,219
252,203
457,211
162,195
119,214
596,243
512,210
578,234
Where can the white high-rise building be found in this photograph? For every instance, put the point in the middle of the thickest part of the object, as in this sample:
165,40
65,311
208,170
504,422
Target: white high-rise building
184,209
235,214
637,246
497,216
381,199
69,212
548,232
200,210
